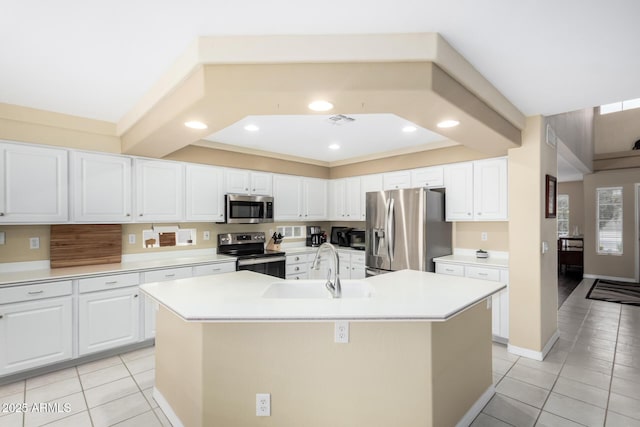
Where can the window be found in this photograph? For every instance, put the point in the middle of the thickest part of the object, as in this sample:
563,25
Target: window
609,220
563,214
620,106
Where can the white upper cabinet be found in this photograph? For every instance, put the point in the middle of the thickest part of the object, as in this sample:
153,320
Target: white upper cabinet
101,188
458,180
477,191
159,190
427,177
299,199
240,181
490,190
396,180
314,206
368,183
287,198
344,199
33,184
204,193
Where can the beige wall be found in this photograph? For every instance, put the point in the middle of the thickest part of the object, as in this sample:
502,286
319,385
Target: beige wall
468,235
575,191
623,266
390,373
533,298
616,131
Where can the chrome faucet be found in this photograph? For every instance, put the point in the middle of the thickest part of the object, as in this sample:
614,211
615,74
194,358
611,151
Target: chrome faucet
333,287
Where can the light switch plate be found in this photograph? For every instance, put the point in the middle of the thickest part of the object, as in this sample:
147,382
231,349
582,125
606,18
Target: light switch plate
132,239
2,238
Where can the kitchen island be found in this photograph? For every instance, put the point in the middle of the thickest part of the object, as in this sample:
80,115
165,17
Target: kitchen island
419,352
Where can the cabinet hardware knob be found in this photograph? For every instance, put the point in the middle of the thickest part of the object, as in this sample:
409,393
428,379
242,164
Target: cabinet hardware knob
253,189
246,189
479,213
169,275
140,215
469,213
135,296
113,282
128,214
1,213
35,292
1,316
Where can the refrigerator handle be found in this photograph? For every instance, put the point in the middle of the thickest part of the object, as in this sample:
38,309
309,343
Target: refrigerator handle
390,230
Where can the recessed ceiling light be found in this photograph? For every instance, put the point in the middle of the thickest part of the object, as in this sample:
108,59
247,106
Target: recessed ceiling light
320,106
251,128
448,124
334,147
195,125
408,129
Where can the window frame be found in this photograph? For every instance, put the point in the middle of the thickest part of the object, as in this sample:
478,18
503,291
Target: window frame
598,237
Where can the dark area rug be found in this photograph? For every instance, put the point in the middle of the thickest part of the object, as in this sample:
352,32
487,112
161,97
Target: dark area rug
620,292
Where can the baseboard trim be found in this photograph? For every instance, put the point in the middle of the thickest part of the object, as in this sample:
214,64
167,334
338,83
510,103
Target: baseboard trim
617,279
476,408
166,408
535,355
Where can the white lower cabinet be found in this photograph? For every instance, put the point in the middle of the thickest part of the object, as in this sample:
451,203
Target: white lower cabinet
499,301
351,265
35,333
108,319
297,266
216,268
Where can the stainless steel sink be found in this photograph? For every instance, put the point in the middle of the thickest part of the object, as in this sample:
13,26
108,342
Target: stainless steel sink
315,289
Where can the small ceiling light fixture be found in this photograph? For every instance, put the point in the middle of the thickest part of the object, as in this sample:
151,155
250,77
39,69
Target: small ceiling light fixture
251,128
448,124
334,147
320,105
194,124
409,129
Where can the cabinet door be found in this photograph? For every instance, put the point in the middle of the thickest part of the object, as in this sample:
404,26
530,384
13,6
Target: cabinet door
159,190
315,199
102,188
108,319
396,180
204,193
490,190
33,184
428,177
287,198
458,180
352,199
336,199
261,183
345,265
35,333
368,183
236,181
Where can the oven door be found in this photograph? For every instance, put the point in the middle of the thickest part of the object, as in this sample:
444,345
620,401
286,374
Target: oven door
272,266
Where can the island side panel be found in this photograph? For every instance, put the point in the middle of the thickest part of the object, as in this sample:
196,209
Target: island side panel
462,363
179,367
380,378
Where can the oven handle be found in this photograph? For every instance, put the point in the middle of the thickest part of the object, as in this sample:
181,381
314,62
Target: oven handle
254,261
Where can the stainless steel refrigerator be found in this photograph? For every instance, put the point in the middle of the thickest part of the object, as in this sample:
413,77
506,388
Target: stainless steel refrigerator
406,229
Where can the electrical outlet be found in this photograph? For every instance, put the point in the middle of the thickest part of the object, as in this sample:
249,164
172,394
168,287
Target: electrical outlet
132,239
206,235
342,332
483,236
34,243
263,405
2,238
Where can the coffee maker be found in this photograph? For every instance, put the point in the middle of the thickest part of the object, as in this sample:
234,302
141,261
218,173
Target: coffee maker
315,236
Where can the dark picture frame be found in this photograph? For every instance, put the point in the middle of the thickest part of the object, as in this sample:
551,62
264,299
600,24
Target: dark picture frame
550,196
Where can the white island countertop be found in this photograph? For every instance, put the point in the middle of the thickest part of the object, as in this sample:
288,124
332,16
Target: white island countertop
401,295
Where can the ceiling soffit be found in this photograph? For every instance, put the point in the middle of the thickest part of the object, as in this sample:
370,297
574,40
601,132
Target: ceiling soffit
221,95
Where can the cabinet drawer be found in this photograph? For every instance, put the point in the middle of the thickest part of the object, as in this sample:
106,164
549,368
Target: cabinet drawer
167,274
299,276
33,292
483,273
357,259
298,258
297,269
114,281
450,269
217,268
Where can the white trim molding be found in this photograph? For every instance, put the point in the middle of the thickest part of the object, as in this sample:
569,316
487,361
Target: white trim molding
617,279
476,408
166,408
535,355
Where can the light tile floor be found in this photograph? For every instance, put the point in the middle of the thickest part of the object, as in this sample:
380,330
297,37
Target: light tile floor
591,377
115,391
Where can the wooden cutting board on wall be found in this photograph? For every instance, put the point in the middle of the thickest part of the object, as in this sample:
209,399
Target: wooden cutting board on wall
85,244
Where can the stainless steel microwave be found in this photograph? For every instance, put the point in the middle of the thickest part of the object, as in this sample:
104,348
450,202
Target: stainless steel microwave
243,209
